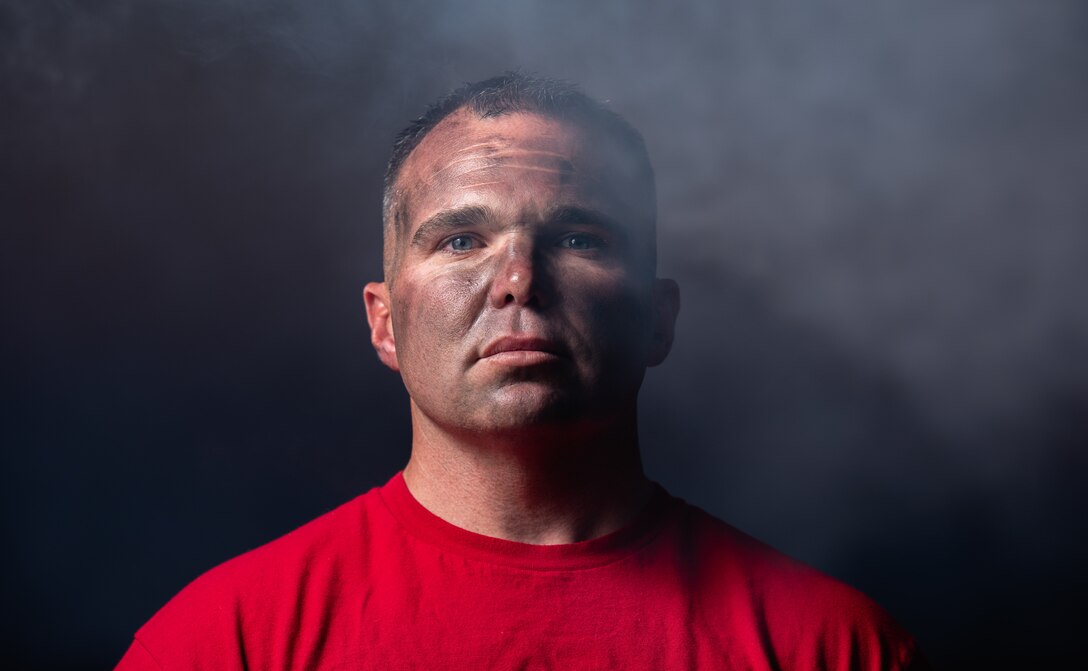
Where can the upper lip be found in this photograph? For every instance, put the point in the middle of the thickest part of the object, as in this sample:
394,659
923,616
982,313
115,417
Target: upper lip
520,343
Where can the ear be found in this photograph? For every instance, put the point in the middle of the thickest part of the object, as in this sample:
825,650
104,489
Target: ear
378,315
666,306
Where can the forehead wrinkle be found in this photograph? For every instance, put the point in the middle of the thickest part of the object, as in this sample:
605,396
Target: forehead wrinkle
520,157
521,151
488,146
527,168
531,166
496,141
489,161
556,162
491,183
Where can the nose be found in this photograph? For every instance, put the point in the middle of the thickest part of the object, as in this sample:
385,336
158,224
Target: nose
518,275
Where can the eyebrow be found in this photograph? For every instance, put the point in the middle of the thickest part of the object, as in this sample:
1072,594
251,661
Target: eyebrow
574,214
449,220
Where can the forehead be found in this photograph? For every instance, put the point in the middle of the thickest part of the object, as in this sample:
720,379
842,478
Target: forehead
523,161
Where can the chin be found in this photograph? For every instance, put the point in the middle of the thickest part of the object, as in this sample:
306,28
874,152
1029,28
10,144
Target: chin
521,406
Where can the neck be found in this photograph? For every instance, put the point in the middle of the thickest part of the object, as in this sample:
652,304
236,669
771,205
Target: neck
542,486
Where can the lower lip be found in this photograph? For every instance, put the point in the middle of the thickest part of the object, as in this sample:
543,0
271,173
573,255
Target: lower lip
521,357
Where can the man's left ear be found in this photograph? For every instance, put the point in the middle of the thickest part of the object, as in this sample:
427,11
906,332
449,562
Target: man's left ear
666,306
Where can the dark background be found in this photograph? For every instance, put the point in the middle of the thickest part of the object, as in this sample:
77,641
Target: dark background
876,212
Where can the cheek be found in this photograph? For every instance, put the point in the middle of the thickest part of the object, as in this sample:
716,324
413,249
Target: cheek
435,311
613,311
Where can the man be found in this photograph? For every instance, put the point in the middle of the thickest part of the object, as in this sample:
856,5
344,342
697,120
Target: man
521,308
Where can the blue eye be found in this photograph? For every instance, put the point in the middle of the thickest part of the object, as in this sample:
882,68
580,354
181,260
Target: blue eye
461,243
581,241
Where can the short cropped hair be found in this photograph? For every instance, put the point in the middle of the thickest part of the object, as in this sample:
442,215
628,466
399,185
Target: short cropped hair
509,93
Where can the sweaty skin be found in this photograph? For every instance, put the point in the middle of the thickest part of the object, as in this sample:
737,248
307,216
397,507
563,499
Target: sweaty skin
521,311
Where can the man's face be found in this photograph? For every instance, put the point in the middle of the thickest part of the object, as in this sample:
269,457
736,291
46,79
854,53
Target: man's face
521,290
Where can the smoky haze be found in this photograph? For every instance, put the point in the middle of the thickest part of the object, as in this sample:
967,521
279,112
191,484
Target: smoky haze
876,213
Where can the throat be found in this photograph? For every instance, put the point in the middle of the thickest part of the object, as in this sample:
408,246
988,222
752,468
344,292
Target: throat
538,494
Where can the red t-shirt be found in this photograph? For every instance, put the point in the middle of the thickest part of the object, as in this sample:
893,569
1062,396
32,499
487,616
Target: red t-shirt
381,583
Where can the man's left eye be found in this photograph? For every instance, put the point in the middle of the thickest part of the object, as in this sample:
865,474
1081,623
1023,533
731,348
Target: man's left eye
581,241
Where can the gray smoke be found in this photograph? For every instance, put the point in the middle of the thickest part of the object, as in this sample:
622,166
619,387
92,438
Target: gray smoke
906,178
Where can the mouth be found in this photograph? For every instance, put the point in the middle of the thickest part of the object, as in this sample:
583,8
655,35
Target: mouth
521,351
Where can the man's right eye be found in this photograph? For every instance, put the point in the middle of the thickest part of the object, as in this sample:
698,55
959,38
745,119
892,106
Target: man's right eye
461,243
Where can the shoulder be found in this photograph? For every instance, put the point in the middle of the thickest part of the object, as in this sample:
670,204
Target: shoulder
316,545
802,616
262,593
